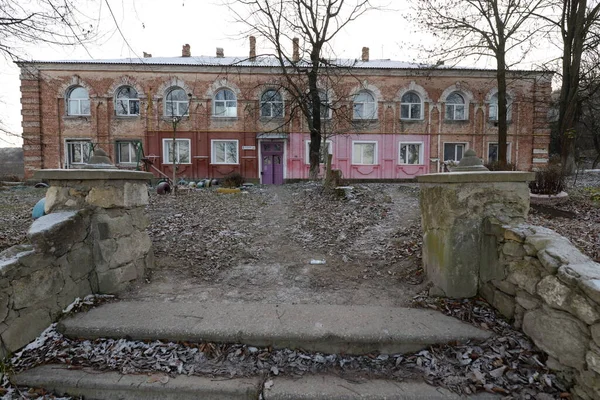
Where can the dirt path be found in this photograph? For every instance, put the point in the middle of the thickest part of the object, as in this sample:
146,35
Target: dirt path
370,244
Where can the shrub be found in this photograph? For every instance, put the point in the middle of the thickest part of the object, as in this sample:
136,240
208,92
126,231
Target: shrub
233,180
548,180
495,166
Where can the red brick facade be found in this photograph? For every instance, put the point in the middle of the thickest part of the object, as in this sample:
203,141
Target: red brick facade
48,130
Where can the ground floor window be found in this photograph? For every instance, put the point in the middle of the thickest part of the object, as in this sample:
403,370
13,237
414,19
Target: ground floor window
322,159
364,152
454,151
493,152
224,152
411,153
182,151
78,151
127,152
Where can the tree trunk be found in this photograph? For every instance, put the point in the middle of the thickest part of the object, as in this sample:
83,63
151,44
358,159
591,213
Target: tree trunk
315,129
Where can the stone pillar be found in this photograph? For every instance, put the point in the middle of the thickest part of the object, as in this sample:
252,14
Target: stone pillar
454,208
120,248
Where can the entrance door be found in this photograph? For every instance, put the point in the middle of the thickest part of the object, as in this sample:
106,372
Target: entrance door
272,163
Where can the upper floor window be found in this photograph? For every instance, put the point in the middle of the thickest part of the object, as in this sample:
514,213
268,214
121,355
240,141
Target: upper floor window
455,107
78,101
411,107
225,104
177,104
271,104
364,106
324,105
494,108
127,102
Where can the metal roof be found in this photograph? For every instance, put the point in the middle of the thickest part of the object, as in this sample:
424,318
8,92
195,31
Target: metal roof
260,62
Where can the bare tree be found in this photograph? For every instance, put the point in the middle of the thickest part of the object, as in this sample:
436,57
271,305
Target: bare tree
55,22
578,24
307,69
500,29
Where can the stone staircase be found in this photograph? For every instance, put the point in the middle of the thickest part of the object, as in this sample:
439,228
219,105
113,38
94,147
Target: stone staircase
329,329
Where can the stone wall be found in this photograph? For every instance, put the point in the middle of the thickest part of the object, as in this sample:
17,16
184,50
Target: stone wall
552,291
93,240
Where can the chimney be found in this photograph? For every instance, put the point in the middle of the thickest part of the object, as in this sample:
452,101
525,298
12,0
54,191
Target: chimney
220,52
296,47
252,48
185,52
365,54
147,55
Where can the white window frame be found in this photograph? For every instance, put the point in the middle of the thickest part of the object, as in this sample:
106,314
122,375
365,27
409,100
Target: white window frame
409,105
494,105
69,143
421,152
79,102
166,152
465,148
127,100
131,150
453,106
307,150
355,142
271,104
213,153
176,103
508,151
358,116
231,109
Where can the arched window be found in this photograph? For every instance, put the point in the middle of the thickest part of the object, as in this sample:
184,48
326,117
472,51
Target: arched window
78,101
177,103
455,107
494,108
364,106
127,101
271,104
411,106
225,104
324,105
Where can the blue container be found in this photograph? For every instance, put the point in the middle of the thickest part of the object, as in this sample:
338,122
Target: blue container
38,209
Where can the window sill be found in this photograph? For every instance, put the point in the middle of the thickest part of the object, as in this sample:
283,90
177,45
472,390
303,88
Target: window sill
494,123
212,163
74,117
411,165
457,121
188,163
412,120
178,117
127,116
215,118
364,165
364,121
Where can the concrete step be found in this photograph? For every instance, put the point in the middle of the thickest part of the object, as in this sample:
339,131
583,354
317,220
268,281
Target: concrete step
97,385
324,328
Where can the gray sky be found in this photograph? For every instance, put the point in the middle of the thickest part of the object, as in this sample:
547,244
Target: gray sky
161,27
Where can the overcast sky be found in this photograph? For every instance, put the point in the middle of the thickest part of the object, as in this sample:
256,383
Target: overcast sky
161,27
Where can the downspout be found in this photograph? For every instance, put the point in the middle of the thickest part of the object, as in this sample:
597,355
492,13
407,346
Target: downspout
42,161
98,123
60,140
440,153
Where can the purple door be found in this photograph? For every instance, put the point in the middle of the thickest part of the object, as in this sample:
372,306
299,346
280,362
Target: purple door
272,163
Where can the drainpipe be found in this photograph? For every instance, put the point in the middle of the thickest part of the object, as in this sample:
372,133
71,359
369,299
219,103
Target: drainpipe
60,141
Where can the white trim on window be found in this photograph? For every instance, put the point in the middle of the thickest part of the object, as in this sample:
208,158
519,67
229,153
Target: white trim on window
225,104
493,108
78,101
176,107
458,108
127,102
364,106
495,158
407,108
77,151
407,155
182,157
464,145
307,151
231,155
271,106
358,158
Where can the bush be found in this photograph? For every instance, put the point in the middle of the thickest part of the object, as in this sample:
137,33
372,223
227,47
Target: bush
233,180
495,166
548,180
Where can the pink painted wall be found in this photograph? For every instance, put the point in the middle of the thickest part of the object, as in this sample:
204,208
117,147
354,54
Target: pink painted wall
387,164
